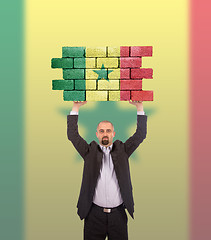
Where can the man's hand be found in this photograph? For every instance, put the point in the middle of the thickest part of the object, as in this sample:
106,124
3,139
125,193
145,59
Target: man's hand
77,105
138,104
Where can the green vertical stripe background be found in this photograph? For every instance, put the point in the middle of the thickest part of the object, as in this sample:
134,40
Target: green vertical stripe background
12,125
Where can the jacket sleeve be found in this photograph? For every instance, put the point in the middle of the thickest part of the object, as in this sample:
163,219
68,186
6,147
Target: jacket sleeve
133,142
72,133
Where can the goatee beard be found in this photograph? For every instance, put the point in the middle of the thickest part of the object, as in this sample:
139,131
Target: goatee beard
105,142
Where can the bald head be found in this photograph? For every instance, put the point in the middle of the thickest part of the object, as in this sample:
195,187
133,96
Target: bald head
105,121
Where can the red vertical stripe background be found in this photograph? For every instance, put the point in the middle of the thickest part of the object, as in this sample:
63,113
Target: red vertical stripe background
200,119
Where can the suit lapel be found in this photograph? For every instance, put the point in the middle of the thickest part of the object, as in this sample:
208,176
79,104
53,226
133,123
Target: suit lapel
114,155
99,159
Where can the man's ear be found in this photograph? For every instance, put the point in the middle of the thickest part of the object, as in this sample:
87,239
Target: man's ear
114,133
97,134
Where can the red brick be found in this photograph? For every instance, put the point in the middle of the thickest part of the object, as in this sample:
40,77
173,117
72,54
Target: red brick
145,51
141,73
130,62
130,84
124,95
124,73
124,51
142,95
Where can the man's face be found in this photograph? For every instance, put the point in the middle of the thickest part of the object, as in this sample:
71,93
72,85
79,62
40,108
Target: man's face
105,133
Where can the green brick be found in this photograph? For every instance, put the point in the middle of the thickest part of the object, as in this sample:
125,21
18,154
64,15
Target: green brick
73,51
56,62
74,95
79,62
80,84
63,84
73,74
67,62
62,62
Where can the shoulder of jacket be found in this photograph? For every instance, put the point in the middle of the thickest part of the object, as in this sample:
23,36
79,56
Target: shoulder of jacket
93,145
118,143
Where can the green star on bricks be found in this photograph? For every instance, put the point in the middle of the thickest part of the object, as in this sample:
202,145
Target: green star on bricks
103,73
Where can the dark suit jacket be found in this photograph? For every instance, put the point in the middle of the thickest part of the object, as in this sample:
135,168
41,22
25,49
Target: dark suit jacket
92,155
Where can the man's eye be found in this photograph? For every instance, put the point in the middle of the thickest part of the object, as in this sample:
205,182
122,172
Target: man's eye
109,130
101,131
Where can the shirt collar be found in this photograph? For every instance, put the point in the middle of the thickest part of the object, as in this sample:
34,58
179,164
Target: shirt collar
103,147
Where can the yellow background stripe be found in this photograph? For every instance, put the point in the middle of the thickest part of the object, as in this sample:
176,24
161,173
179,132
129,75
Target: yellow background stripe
53,177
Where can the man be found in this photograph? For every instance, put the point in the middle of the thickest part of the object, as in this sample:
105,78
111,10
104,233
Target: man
106,188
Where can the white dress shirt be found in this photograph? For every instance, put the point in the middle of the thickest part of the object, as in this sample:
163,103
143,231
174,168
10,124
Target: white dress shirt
107,192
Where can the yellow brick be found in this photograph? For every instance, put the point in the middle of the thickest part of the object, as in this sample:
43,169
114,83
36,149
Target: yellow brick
96,95
108,62
96,52
115,74
114,96
113,51
108,85
91,84
90,74
90,62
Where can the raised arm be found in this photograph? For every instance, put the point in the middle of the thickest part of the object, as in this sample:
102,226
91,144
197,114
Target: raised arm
133,142
72,130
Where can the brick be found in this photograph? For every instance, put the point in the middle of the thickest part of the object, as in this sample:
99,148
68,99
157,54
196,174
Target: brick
56,62
130,62
108,85
130,84
90,74
141,73
90,62
142,95
108,62
73,52
115,74
96,95
91,84
124,51
73,73
145,51
62,84
62,63
113,51
74,95
124,95
114,96
67,63
79,62
80,84
96,52
124,73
